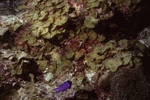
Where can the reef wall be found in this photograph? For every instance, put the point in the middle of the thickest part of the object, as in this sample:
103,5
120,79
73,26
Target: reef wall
46,43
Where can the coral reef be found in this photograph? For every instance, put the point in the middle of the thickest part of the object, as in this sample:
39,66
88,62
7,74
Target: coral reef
48,44
144,37
129,84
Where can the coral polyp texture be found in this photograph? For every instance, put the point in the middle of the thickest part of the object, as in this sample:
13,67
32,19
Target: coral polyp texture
58,50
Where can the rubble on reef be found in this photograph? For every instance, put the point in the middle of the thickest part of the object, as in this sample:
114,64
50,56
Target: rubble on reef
50,42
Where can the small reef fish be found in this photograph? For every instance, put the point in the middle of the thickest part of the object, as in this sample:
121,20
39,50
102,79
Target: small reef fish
63,54
63,87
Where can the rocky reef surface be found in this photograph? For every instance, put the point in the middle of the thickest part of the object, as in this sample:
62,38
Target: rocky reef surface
46,43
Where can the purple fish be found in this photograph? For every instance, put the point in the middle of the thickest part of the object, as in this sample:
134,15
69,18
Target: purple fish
63,54
63,87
